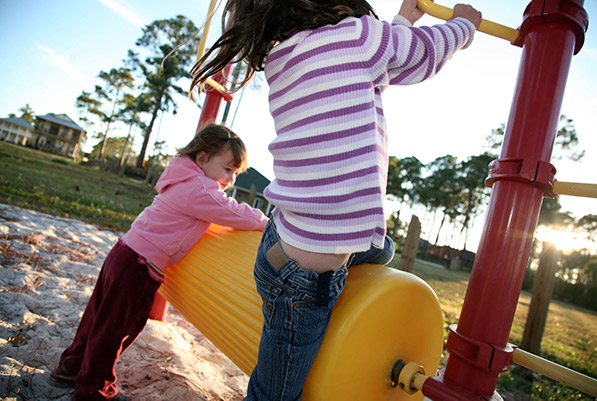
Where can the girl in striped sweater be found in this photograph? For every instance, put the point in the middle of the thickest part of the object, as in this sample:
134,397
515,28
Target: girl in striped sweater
327,63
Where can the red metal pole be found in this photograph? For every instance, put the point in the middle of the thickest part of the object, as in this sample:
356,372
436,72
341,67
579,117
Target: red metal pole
209,114
551,32
213,100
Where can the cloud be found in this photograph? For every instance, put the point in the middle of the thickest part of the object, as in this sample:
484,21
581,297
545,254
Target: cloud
125,13
64,64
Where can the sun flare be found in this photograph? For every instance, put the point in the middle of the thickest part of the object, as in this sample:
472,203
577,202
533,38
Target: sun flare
564,240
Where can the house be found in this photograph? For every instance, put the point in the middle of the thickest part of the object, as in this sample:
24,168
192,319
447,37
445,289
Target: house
249,187
58,133
16,130
449,255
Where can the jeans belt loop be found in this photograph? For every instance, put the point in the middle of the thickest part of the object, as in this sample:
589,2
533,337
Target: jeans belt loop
322,296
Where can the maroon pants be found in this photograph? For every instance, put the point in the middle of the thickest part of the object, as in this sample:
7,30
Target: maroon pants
115,315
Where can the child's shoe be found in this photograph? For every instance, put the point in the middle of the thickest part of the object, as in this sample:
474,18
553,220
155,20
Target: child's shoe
63,380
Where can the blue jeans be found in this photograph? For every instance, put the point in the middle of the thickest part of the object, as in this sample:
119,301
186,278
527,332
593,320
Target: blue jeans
297,306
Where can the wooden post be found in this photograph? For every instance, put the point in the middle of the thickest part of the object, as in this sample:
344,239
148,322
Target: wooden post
542,291
455,263
252,194
411,245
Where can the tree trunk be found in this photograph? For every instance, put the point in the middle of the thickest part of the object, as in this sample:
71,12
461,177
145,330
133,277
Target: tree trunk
126,155
395,226
431,226
441,224
542,291
126,142
103,148
467,219
154,115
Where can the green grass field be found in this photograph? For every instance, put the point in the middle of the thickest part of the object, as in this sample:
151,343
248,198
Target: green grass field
58,186
569,339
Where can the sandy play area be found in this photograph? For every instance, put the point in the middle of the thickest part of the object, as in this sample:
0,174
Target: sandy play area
48,267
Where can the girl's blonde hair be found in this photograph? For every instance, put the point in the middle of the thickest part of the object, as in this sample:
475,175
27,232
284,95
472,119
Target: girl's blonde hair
213,139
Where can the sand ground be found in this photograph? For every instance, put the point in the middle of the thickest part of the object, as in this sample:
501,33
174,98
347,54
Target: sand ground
48,267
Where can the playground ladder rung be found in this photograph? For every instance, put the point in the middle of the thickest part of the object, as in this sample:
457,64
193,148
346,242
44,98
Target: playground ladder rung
554,371
575,189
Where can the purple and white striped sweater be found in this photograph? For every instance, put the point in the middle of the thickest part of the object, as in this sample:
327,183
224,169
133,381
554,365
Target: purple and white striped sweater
330,153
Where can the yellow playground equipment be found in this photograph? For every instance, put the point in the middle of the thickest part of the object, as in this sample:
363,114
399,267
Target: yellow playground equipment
383,316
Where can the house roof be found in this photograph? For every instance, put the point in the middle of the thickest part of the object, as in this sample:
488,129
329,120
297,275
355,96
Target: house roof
61,119
18,121
252,177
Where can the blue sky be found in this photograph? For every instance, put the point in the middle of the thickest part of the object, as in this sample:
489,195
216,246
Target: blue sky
53,50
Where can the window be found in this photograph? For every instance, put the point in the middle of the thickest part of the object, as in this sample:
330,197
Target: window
258,203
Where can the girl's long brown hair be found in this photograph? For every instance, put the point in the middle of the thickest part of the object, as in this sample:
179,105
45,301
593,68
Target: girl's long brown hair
251,28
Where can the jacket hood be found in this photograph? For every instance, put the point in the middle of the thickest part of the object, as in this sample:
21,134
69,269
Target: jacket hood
186,169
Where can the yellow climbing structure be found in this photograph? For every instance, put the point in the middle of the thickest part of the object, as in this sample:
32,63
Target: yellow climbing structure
382,316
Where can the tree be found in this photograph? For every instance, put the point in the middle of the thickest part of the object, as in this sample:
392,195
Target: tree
550,214
404,177
567,141
588,223
87,103
27,113
111,148
471,176
565,146
129,113
439,190
162,68
114,82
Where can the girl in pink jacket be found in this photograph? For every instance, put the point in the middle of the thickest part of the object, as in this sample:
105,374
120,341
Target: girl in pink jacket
190,197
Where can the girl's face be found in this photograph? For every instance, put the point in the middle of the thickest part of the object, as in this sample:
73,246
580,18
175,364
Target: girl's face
219,167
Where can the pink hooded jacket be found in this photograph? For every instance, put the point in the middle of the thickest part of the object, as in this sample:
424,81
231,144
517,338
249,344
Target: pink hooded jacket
186,204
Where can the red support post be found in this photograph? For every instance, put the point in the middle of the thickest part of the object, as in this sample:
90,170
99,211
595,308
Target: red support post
551,32
209,114
213,100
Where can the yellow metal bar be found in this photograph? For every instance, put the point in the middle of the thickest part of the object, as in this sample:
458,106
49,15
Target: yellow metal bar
220,88
575,189
488,27
206,26
201,51
419,380
554,371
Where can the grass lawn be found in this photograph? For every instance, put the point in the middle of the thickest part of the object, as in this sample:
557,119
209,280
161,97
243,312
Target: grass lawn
570,336
58,186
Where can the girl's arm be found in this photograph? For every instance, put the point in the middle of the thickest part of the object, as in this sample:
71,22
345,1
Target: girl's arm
415,54
210,204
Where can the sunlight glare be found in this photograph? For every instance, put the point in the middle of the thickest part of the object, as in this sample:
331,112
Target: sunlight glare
564,240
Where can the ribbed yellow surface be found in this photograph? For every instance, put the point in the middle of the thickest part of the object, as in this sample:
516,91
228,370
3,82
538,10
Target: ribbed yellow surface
383,315
213,287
